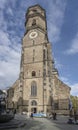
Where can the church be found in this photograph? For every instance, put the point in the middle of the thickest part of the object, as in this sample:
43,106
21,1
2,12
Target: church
38,87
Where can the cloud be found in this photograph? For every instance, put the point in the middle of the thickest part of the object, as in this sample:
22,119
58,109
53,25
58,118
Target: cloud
4,38
58,64
2,4
64,79
74,46
55,17
3,24
10,47
12,18
9,60
9,11
74,89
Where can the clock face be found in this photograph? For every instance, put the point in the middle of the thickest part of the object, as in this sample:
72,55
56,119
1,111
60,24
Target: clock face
33,34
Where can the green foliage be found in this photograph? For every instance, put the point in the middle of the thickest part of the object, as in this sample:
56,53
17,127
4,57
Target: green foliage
74,100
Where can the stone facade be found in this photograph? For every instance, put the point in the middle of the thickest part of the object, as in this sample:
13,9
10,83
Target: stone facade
38,88
61,96
13,95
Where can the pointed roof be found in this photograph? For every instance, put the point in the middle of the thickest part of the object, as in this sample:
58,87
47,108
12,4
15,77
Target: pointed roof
37,5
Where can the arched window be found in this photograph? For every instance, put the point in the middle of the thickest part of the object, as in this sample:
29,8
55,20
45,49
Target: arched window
33,73
44,56
34,22
44,72
33,89
33,103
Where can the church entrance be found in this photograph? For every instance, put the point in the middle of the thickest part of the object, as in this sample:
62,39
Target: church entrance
34,110
34,106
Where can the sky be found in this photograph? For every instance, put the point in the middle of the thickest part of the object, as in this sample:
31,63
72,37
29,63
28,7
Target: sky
62,28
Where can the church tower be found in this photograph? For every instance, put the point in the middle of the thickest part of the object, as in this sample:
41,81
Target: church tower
36,90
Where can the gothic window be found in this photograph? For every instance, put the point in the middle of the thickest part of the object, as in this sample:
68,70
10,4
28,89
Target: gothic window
33,89
33,103
33,55
44,84
34,10
34,22
44,62
44,72
48,72
56,106
44,54
33,73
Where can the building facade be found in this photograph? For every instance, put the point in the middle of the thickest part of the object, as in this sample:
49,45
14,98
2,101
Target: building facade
38,87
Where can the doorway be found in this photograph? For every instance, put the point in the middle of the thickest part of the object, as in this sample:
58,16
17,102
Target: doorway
34,110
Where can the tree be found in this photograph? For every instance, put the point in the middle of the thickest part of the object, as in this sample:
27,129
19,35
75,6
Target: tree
74,100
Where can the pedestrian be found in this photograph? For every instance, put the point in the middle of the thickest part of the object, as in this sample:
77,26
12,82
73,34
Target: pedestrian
54,116
31,115
14,111
75,117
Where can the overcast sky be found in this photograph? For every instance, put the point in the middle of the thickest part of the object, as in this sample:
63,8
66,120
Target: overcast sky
62,26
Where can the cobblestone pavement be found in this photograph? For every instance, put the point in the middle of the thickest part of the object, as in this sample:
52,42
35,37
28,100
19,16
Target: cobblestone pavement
45,124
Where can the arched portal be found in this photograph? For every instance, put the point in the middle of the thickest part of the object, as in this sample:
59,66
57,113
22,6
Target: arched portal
33,106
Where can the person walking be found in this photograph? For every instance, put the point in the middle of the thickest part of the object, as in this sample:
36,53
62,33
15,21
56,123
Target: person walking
75,117
31,115
54,116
